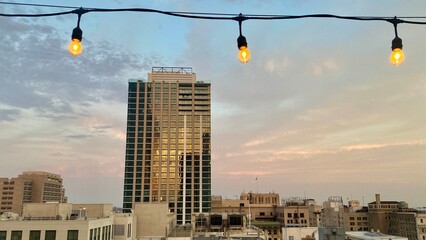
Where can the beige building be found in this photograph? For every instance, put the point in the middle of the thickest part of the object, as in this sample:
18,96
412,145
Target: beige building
259,210
355,217
294,213
355,220
168,150
261,206
259,199
314,213
379,213
30,187
154,221
62,221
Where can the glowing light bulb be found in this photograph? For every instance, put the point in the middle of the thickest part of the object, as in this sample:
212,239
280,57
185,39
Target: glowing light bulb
75,47
244,54
397,57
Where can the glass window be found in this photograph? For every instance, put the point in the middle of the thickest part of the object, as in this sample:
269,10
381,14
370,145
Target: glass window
35,235
50,235
16,235
72,235
3,235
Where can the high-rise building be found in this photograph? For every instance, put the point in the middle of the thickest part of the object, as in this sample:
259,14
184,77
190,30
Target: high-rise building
168,142
30,187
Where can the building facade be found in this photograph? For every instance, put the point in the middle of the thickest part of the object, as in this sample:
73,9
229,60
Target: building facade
168,151
410,224
379,213
64,221
294,212
332,212
30,187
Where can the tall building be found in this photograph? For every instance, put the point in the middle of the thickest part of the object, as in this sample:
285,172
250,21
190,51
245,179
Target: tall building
30,187
168,142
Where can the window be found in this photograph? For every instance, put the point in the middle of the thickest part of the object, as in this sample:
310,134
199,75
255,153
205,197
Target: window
129,230
72,235
3,235
50,235
16,235
119,230
35,235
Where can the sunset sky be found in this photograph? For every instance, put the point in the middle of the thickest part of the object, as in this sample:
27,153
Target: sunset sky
318,111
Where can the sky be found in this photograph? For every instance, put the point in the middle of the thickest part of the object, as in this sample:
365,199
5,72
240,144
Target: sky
318,111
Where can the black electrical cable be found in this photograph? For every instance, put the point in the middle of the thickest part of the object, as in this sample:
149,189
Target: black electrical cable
208,16
36,5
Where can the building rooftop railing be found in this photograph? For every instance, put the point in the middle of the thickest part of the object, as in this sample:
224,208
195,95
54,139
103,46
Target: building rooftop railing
178,70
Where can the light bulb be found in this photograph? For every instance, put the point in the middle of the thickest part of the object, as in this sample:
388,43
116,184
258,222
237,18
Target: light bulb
397,56
244,54
75,47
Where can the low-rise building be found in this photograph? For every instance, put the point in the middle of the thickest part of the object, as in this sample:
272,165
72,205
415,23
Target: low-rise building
355,217
62,221
410,224
379,213
294,213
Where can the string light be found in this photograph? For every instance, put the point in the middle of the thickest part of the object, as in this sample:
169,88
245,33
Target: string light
75,48
243,51
397,56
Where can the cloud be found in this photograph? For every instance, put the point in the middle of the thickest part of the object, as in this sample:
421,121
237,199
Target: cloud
324,66
9,115
79,136
40,74
382,145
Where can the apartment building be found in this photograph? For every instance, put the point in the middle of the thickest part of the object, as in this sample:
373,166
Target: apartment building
30,187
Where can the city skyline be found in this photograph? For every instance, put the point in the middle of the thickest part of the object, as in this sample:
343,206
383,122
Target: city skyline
318,111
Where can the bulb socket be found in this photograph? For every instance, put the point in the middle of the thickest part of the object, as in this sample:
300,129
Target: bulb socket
77,33
242,42
396,43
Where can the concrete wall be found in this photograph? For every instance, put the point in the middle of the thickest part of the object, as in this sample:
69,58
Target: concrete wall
94,210
299,233
153,219
46,210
